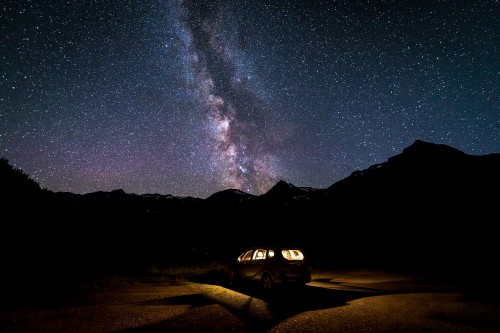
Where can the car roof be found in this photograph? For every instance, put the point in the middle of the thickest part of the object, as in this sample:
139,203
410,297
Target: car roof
274,247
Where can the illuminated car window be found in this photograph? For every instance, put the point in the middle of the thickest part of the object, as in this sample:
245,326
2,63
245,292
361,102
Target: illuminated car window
247,256
259,254
271,253
292,254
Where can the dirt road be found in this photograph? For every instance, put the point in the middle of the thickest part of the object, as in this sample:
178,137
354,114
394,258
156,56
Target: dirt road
335,301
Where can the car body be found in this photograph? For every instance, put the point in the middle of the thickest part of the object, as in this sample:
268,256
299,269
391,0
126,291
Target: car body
271,266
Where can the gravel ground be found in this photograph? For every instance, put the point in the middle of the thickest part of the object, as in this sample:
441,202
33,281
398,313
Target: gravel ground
335,301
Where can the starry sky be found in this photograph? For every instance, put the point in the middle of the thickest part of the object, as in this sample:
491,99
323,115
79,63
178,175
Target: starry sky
191,97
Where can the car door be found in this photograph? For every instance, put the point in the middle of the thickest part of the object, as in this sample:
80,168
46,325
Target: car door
254,266
244,264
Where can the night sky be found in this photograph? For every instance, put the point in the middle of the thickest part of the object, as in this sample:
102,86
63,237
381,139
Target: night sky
193,97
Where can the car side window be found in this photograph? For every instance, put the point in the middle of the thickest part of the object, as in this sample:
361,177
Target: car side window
292,254
259,254
247,256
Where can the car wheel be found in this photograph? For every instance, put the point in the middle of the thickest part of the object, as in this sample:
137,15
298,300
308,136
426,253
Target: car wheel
267,282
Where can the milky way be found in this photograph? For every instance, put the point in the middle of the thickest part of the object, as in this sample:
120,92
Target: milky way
194,97
236,118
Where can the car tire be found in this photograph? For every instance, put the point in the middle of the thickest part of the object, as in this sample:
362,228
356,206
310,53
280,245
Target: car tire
267,282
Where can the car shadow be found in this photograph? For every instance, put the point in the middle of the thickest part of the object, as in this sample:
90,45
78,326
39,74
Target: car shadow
279,305
287,301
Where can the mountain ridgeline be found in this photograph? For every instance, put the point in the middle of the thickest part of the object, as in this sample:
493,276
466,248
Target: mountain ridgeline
432,207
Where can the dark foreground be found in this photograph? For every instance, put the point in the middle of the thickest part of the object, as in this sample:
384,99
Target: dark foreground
335,301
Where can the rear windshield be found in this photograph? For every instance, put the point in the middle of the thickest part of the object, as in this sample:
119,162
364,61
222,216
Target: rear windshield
292,254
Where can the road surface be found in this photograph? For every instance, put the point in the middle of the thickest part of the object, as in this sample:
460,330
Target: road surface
335,301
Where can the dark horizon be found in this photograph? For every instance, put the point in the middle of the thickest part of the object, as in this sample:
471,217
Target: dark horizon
412,202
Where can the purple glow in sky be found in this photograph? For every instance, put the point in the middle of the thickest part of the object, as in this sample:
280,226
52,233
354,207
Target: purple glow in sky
193,97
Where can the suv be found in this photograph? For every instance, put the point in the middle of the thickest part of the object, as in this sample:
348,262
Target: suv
270,266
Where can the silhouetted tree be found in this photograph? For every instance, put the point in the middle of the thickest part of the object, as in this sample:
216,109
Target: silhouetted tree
15,181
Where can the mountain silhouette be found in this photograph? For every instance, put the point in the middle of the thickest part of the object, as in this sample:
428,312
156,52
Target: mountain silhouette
426,169
431,207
